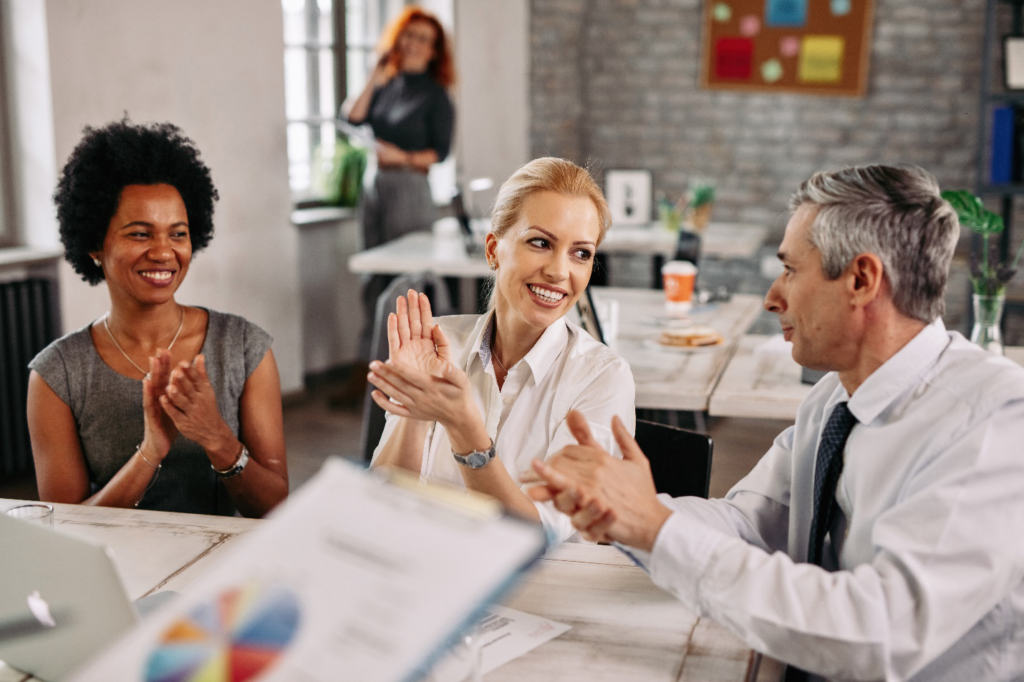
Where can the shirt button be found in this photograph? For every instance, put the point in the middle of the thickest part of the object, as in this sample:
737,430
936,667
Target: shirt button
509,400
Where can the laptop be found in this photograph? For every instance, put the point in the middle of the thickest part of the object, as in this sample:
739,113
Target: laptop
62,600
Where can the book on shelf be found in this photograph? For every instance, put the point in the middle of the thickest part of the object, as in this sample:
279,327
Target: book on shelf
1003,144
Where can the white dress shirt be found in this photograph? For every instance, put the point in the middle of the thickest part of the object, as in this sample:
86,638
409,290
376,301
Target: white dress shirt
565,370
928,554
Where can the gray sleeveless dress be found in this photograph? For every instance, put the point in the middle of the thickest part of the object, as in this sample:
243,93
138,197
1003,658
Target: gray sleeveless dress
107,407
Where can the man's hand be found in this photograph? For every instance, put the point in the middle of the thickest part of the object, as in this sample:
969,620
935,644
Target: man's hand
607,499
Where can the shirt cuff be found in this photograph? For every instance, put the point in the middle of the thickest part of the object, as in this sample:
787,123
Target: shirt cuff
681,554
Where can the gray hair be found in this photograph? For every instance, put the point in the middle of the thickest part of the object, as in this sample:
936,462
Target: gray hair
895,213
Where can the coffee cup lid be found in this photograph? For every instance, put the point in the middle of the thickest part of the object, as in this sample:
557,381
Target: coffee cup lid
679,267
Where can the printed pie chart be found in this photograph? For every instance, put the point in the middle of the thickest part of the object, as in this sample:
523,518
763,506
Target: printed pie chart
234,638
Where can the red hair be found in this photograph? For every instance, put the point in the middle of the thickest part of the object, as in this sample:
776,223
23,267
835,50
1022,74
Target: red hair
442,66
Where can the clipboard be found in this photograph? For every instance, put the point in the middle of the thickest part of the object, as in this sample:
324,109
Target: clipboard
362,575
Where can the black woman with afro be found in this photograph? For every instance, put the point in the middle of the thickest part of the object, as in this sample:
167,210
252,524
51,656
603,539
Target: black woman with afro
156,404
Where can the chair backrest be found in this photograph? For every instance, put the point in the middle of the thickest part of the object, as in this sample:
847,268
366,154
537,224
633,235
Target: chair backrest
680,459
440,304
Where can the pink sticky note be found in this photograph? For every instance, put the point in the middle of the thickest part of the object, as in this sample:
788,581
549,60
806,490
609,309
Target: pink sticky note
789,46
750,25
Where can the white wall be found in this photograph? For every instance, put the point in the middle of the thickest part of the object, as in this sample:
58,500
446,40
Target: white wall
26,60
215,69
493,99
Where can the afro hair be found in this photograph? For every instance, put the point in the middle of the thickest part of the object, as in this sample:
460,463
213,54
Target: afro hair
110,158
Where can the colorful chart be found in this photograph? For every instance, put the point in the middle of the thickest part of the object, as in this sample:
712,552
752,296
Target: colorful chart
235,638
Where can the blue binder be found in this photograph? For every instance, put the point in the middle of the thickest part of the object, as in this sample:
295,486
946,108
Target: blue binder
1002,145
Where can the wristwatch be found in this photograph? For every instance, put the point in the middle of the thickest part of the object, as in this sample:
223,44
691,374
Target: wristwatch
476,459
236,468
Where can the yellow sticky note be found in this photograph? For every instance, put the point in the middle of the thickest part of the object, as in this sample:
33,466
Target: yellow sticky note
821,59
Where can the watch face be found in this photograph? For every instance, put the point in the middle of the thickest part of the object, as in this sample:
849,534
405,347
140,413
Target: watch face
476,460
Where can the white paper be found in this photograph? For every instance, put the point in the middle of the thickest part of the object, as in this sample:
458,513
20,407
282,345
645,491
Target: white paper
504,635
355,578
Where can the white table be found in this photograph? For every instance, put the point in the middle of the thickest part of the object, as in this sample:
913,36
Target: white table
623,626
762,385
668,379
719,240
420,251
758,385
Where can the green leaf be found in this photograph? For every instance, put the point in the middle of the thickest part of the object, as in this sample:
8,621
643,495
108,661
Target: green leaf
972,212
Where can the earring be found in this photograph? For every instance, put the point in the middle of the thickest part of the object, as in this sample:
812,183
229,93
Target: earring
97,262
493,265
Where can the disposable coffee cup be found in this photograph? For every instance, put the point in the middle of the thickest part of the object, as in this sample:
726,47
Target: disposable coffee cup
678,277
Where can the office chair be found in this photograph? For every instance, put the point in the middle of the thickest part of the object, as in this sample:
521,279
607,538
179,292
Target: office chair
440,304
680,459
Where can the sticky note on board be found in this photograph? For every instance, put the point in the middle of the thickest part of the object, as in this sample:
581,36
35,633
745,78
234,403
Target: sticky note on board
821,59
734,58
791,13
840,8
771,70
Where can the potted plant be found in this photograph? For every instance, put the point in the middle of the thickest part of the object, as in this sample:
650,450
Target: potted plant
989,276
700,199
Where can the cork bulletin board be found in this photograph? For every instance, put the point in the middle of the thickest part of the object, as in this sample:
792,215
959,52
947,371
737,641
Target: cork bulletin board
814,47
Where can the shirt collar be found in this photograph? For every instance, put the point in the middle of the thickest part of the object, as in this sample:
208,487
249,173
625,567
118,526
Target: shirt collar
540,358
902,370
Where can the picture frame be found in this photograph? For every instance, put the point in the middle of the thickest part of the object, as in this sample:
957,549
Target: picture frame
1013,62
630,196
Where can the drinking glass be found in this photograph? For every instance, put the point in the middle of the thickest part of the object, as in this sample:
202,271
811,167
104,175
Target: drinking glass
33,513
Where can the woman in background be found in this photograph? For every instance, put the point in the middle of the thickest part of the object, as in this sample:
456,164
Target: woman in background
156,405
406,103
474,399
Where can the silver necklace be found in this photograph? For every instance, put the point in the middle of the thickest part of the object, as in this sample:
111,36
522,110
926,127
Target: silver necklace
181,325
498,360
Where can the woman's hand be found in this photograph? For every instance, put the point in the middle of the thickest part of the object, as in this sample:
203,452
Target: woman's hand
382,72
442,394
191,404
414,341
159,429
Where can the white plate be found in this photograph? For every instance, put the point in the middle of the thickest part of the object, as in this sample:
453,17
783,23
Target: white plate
654,344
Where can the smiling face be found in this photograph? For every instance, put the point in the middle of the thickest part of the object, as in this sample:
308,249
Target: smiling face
147,250
815,312
544,261
415,46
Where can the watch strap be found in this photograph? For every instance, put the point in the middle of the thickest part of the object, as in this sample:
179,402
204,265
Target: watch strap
477,459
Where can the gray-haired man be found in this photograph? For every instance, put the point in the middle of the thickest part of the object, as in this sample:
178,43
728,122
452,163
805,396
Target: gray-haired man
882,536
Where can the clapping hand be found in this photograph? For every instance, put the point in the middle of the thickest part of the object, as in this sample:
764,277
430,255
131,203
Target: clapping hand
159,428
191,404
419,374
607,499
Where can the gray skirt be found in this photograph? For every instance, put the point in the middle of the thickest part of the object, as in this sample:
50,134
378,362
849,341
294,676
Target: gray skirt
396,201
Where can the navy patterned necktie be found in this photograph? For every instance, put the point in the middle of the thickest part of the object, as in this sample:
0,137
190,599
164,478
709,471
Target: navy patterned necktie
827,468
826,475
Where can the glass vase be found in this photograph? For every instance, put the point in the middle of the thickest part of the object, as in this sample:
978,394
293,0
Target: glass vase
988,313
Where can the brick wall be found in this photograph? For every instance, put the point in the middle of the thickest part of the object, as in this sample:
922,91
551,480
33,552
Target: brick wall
615,83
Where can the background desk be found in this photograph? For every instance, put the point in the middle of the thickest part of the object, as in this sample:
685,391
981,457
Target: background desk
669,379
623,626
419,251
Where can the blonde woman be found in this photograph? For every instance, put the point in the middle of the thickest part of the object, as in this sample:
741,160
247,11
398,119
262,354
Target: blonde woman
473,399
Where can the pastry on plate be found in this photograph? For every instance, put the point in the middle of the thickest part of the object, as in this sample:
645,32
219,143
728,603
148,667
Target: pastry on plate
691,337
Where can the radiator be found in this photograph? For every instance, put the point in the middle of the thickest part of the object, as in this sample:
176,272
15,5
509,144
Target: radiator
27,324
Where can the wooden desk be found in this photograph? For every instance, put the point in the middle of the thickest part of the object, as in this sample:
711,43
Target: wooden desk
668,379
623,626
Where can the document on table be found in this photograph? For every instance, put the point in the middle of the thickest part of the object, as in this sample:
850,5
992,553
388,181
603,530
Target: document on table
356,577
504,634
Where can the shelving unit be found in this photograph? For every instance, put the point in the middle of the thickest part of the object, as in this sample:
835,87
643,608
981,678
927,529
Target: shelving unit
989,99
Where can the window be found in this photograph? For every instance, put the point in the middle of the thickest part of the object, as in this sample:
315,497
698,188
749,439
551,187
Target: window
8,237
320,71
